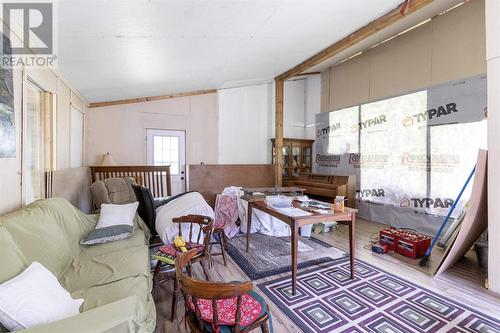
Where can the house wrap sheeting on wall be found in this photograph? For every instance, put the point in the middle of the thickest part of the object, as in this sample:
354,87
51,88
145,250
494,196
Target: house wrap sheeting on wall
411,154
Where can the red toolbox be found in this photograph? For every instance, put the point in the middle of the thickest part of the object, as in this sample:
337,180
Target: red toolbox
389,238
404,242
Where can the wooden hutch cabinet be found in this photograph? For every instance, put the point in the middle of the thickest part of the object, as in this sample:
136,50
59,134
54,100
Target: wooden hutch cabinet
297,157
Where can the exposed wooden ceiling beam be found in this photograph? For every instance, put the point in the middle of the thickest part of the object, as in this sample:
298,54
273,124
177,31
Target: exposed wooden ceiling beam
307,73
356,37
151,98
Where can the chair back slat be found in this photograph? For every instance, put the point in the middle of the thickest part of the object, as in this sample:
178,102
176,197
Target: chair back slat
215,316
197,311
199,236
237,316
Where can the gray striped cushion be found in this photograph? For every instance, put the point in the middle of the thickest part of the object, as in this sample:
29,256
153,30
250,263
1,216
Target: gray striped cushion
108,234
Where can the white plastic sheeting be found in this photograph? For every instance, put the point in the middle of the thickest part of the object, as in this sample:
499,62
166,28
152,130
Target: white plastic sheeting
411,154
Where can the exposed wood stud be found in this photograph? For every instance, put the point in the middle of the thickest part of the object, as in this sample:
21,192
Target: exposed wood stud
278,135
152,98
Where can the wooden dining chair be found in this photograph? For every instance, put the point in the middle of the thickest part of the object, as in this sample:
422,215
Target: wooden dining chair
201,250
220,307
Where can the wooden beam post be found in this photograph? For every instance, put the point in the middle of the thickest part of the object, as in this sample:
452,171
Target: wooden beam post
278,132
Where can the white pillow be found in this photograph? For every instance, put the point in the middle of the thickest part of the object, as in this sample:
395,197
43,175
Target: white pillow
112,215
35,297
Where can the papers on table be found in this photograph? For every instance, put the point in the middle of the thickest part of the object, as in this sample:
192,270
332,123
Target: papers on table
303,198
319,205
292,211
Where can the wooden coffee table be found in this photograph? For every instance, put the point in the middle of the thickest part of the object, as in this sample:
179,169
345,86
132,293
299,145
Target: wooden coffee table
346,217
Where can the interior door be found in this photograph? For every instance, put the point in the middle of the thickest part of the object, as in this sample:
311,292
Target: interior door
168,147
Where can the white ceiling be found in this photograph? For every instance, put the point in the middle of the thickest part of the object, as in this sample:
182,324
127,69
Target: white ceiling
112,50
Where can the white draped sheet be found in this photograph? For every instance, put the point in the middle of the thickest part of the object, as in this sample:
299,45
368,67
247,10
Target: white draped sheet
189,203
261,222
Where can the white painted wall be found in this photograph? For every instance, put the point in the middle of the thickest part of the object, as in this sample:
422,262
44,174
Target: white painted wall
246,124
493,63
121,129
294,109
312,105
65,96
246,118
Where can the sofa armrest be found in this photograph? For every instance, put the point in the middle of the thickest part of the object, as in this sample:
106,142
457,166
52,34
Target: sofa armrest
143,226
119,316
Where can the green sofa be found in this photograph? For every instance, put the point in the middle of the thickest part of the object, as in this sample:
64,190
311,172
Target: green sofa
114,278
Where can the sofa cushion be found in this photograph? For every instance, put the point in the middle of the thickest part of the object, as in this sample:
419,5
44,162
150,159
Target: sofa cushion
11,257
102,269
48,231
113,191
138,238
35,297
139,286
107,234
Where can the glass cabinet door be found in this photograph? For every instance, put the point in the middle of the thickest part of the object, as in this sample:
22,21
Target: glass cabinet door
295,160
297,157
306,159
286,161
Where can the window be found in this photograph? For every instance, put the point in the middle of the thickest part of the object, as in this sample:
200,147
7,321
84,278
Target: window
166,152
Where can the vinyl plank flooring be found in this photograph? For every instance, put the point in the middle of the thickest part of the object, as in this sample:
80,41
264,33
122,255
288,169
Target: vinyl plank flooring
463,282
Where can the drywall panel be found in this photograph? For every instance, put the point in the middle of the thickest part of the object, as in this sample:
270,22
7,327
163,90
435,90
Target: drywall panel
447,48
246,124
63,94
493,176
492,29
476,219
203,130
325,90
294,108
403,65
312,101
458,43
246,119
116,130
76,139
353,85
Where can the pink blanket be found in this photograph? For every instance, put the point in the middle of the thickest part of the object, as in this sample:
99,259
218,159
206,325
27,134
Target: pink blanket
226,214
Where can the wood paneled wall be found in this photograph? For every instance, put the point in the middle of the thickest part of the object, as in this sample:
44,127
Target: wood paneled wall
210,180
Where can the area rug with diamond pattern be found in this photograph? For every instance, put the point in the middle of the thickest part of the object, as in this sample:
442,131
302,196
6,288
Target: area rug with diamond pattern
327,300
